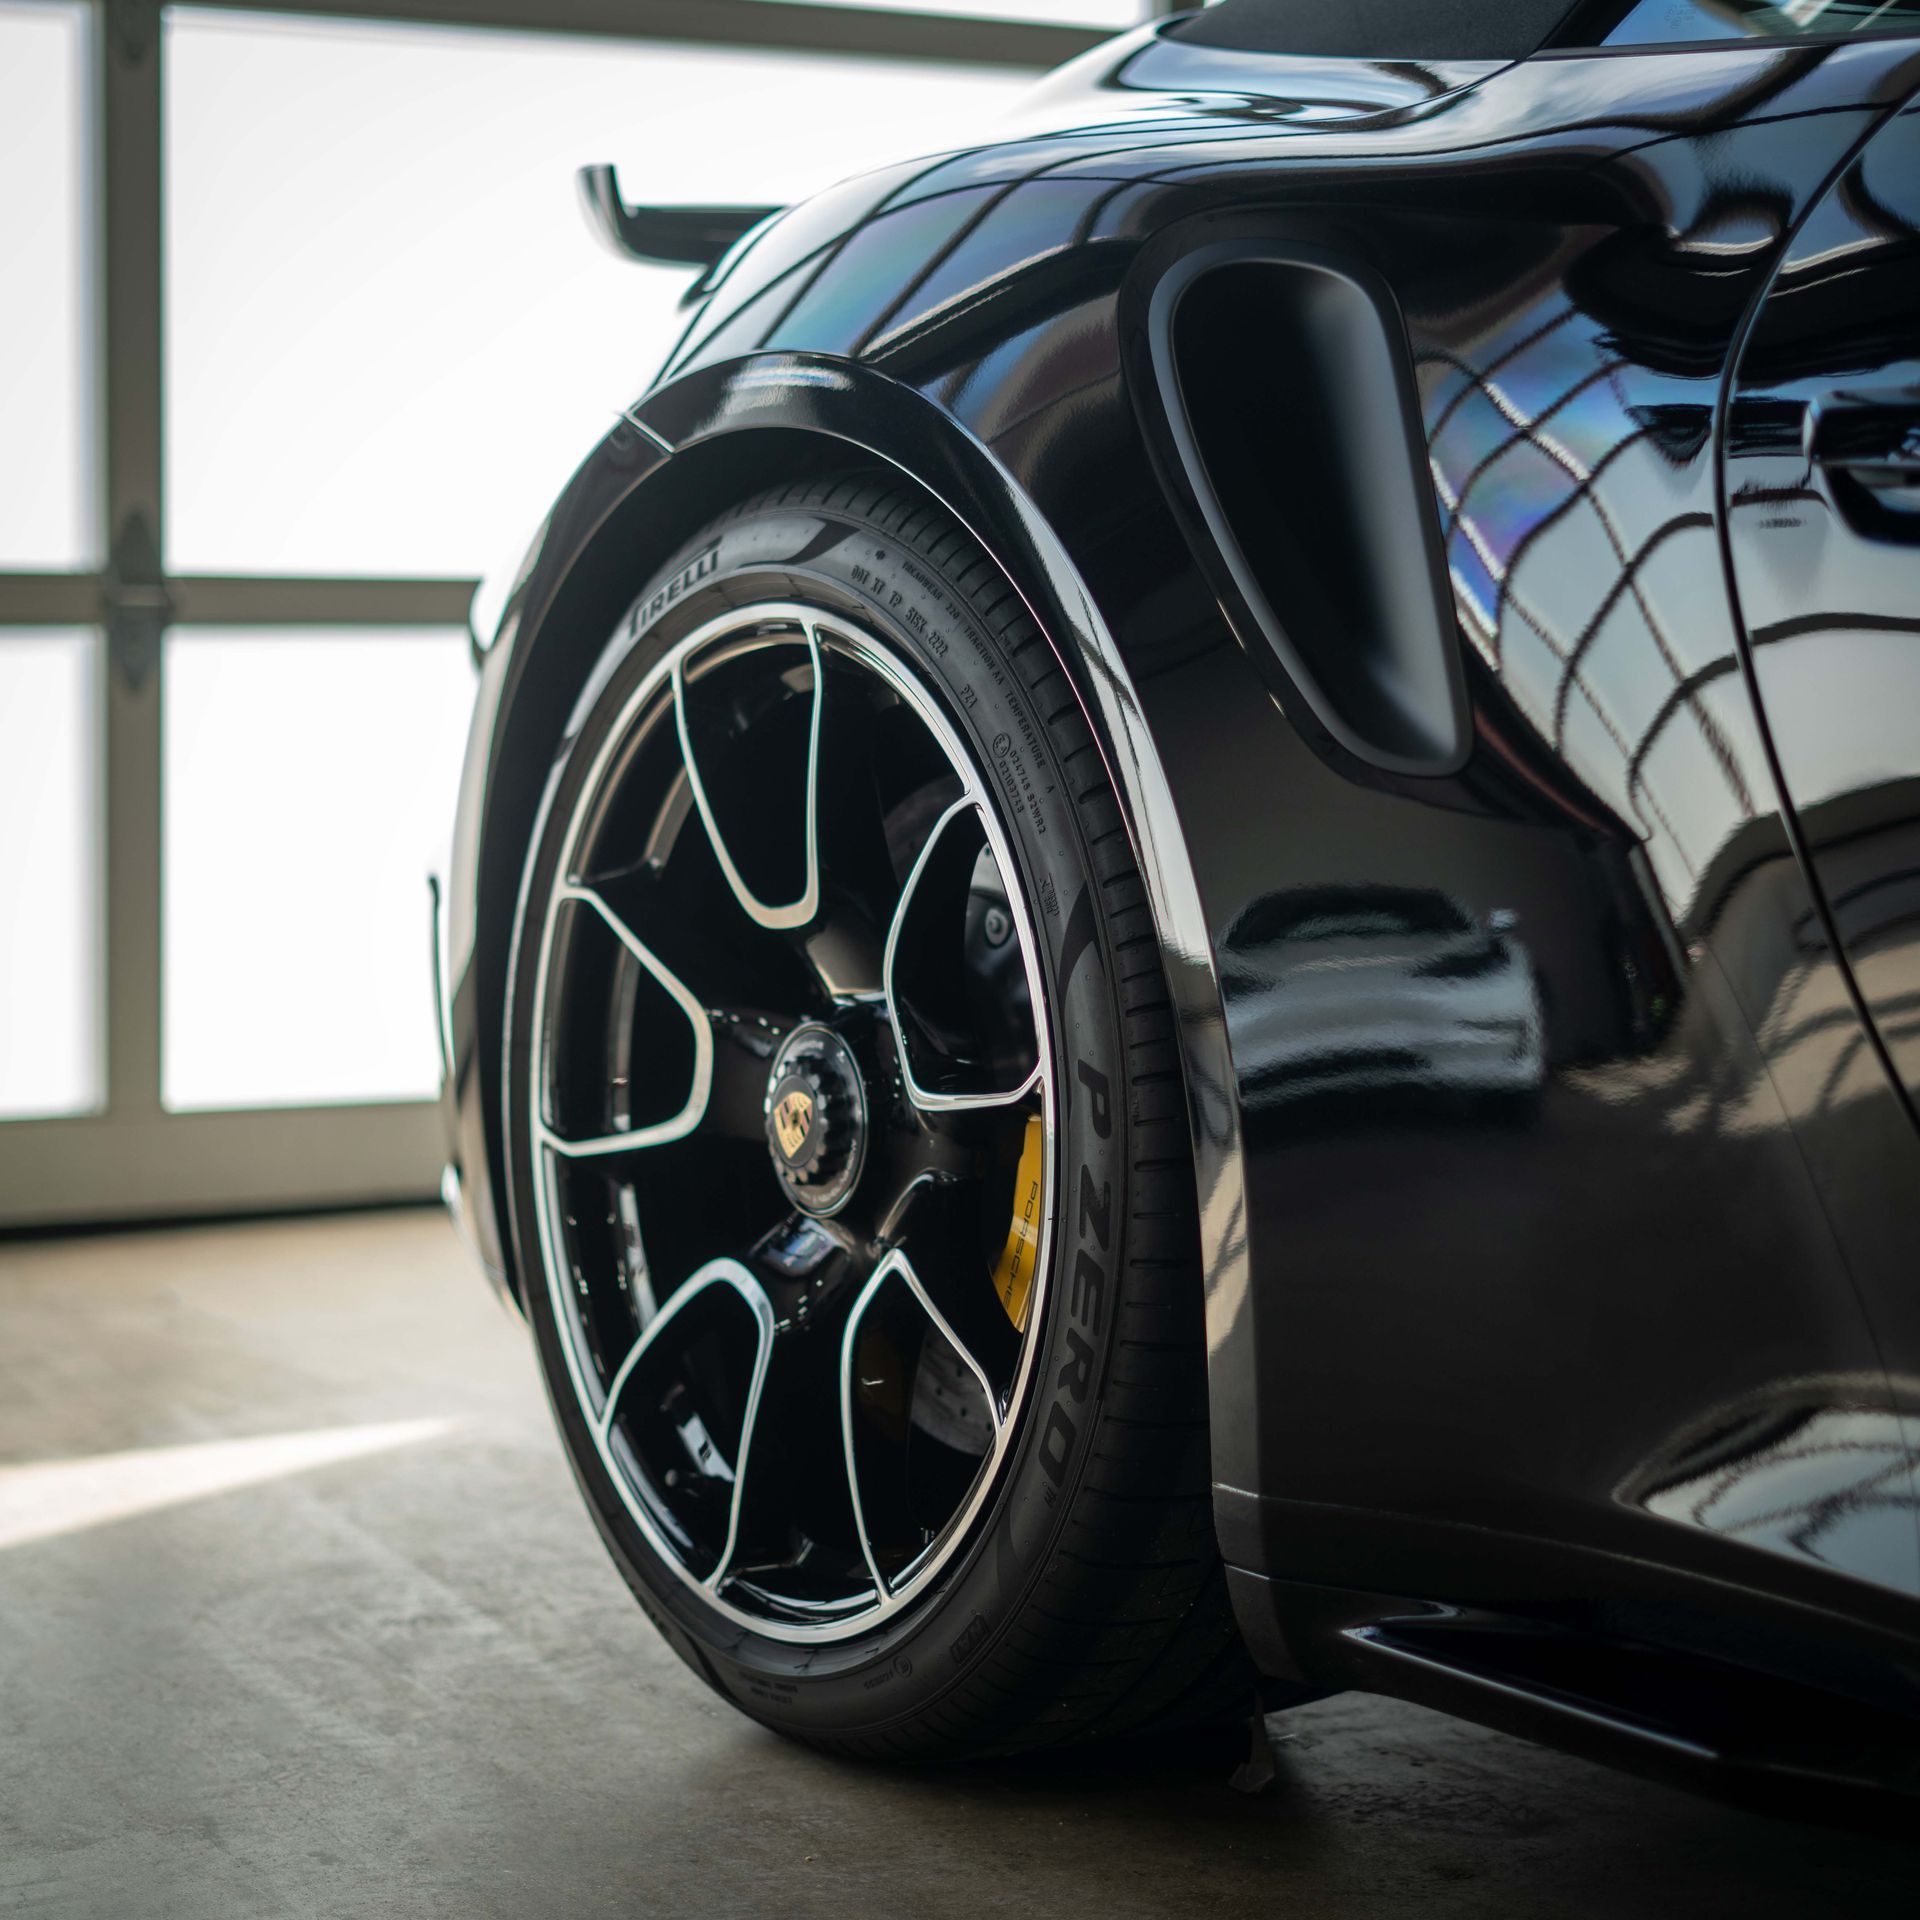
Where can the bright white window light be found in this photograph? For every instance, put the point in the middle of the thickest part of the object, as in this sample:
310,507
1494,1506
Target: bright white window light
390,337
45,439
43,1499
50,945
309,791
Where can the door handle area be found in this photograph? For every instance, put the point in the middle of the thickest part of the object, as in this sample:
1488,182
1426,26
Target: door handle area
1868,445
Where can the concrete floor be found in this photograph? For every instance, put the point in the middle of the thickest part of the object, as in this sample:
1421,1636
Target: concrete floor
332,1636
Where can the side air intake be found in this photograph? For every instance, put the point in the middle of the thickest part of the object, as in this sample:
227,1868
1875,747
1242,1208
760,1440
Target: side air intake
1291,412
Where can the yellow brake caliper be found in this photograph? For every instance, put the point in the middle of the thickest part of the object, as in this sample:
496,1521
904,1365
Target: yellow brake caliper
1013,1276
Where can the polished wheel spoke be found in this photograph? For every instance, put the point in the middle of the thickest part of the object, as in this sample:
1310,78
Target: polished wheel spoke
796,1542
703,1447
952,1272
688,921
779,915
694,1108
967,1039
745,1042
738,1048
898,1270
845,943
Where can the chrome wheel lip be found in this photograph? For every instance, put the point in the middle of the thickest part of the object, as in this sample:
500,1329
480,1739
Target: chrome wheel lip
550,1150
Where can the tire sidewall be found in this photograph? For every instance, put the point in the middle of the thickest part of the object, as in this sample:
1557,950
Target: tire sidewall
892,1675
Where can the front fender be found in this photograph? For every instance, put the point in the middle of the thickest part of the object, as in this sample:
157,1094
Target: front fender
685,452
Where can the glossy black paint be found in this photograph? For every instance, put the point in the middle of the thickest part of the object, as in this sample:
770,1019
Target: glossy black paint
1823,489
1628,1355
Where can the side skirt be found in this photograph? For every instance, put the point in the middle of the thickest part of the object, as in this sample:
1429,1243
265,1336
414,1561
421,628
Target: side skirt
1736,1732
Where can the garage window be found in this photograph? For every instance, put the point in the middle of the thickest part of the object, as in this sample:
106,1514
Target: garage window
50,1042
303,333
386,354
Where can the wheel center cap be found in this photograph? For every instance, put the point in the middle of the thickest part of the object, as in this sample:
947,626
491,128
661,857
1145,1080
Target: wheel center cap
793,1113
816,1112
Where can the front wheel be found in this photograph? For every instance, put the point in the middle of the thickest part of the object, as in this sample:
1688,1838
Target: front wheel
848,1156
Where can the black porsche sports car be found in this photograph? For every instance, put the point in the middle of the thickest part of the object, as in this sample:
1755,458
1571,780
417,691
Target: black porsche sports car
1183,964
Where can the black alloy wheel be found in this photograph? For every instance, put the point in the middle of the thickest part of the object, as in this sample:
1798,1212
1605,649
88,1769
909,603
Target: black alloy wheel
848,1156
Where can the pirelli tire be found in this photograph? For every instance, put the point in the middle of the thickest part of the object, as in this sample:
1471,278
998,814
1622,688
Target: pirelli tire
1077,1593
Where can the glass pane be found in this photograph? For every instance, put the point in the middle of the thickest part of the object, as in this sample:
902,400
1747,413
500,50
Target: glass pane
45,418
50,947
309,788
390,336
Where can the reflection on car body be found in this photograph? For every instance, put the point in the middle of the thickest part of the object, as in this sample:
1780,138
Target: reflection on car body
1376,990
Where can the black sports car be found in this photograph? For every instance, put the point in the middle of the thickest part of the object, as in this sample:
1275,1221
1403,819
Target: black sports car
1184,956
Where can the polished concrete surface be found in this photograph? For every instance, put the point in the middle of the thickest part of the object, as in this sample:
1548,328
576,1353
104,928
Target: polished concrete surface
299,1615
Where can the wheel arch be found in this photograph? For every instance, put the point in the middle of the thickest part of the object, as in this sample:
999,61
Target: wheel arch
677,458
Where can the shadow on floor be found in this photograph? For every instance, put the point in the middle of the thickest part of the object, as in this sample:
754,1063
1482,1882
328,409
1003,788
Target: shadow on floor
404,1680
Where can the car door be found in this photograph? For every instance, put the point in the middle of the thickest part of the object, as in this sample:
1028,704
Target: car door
1823,473
1822,480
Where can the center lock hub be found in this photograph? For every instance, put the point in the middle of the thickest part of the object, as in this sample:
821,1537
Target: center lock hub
816,1113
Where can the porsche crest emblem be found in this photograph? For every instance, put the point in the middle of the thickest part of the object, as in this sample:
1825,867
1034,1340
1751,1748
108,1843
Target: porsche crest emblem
792,1119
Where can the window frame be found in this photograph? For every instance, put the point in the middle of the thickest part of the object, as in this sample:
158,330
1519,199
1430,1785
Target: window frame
133,1158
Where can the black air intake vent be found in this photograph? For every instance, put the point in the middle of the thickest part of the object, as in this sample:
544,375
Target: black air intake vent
1290,404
